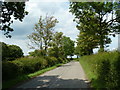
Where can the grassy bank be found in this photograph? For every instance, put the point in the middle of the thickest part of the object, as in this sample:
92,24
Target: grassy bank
22,78
102,69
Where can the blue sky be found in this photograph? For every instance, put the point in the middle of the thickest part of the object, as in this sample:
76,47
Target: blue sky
35,8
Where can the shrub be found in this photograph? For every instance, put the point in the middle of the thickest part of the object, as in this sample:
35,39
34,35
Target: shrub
10,70
103,69
60,60
51,60
15,52
38,53
33,64
10,52
5,51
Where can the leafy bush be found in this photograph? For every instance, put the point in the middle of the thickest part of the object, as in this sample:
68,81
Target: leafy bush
38,53
14,52
60,60
12,69
5,51
33,64
10,52
103,69
51,60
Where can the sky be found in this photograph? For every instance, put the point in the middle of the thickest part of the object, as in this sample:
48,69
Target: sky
60,10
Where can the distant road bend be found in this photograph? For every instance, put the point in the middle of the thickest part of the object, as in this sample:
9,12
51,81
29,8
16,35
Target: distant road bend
70,75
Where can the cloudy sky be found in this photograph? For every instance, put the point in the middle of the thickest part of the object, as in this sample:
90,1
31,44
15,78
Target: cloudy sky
36,8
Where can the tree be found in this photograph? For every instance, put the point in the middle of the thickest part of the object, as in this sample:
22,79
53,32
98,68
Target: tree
86,43
10,52
37,53
68,46
76,51
43,32
9,10
96,19
56,45
118,16
4,51
15,52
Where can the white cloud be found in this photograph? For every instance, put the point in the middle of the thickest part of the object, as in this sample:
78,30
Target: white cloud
36,8
48,0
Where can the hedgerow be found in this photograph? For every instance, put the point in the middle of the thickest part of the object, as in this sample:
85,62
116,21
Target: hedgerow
12,69
103,69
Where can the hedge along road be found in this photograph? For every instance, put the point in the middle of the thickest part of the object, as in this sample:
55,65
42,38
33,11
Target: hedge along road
70,75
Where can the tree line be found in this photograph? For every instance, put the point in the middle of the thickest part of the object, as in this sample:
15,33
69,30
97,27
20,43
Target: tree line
44,40
47,42
96,21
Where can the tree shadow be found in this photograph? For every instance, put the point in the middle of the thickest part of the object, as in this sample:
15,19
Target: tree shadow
54,82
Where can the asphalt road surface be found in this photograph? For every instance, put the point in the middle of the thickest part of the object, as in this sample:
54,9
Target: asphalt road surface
70,75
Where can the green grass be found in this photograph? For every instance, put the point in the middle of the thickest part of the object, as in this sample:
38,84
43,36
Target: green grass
13,82
91,63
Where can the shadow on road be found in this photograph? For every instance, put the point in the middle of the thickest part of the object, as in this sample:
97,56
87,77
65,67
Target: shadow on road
55,82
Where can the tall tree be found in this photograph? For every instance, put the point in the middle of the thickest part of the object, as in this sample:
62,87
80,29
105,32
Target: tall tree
43,32
68,46
95,16
56,45
86,43
9,10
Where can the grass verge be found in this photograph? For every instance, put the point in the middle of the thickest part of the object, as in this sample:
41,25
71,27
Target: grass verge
96,69
22,78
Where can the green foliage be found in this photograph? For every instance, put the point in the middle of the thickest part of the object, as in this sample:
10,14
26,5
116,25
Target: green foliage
14,9
102,69
85,44
15,52
56,45
61,60
94,22
68,46
61,46
21,66
10,70
37,53
43,32
24,77
51,60
10,52
5,51
26,65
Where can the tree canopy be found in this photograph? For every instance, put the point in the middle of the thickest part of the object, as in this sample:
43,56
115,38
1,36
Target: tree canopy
43,32
10,52
11,10
56,45
68,46
96,20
